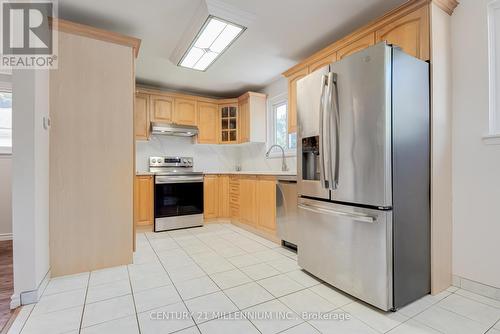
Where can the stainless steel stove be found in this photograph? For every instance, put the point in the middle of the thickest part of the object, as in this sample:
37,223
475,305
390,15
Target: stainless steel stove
178,193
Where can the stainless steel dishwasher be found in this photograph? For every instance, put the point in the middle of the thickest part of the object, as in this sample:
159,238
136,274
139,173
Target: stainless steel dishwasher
286,209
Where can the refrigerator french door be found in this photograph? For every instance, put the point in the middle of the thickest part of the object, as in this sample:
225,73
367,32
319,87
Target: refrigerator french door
363,175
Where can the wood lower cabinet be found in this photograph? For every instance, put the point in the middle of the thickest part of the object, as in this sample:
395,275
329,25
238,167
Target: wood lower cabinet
141,116
266,204
210,197
248,200
143,200
223,205
184,111
234,197
208,119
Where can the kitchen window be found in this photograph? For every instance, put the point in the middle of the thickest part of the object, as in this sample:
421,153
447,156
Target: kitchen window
5,122
278,114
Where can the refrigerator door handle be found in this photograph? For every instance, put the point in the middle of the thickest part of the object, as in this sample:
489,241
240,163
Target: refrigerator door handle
335,125
353,216
323,158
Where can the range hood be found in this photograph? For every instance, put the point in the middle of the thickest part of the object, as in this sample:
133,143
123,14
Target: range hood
169,129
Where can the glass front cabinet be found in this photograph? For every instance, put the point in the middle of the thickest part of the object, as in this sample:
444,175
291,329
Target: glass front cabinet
228,124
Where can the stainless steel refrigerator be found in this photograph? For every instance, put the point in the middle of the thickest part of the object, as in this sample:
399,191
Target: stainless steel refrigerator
363,176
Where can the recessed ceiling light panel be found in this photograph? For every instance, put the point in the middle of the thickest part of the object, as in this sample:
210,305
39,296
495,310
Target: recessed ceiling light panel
215,36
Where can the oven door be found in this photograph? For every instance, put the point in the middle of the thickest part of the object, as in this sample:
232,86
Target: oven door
178,202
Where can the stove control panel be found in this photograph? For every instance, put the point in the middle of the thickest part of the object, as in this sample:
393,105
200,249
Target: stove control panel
170,162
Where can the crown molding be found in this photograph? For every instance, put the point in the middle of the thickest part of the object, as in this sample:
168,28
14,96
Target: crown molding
447,5
95,33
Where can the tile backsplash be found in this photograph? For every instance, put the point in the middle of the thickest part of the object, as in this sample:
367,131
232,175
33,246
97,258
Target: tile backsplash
210,158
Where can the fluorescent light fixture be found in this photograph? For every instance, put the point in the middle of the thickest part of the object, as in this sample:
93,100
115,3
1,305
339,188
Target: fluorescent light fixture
215,36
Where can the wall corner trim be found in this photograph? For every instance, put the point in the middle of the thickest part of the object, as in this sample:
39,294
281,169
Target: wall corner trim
447,5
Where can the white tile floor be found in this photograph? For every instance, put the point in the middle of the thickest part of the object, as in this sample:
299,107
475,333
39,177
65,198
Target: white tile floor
199,280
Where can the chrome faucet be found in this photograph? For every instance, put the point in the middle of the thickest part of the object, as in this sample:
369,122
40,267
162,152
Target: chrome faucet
284,167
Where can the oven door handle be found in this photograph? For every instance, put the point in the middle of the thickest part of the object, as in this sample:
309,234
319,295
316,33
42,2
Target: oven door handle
178,179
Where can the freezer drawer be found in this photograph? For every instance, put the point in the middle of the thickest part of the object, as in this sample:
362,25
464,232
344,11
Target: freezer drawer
349,248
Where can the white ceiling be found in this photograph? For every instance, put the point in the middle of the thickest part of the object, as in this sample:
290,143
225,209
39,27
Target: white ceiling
283,33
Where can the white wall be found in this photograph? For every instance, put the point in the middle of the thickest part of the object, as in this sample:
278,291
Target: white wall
30,184
5,197
476,166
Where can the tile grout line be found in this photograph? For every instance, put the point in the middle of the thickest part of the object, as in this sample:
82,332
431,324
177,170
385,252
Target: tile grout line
254,281
27,318
133,299
84,303
428,307
477,301
165,269
461,315
221,290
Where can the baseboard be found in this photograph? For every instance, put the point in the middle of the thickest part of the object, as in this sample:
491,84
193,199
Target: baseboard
30,297
5,236
265,235
476,287
15,301
217,221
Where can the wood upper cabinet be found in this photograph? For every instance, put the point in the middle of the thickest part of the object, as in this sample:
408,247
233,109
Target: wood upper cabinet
248,205
244,120
410,32
141,116
326,60
407,27
162,108
219,120
252,117
210,197
223,183
184,111
292,98
228,123
357,45
143,200
208,120
266,204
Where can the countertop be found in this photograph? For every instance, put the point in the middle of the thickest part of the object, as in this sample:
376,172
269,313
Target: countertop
273,173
